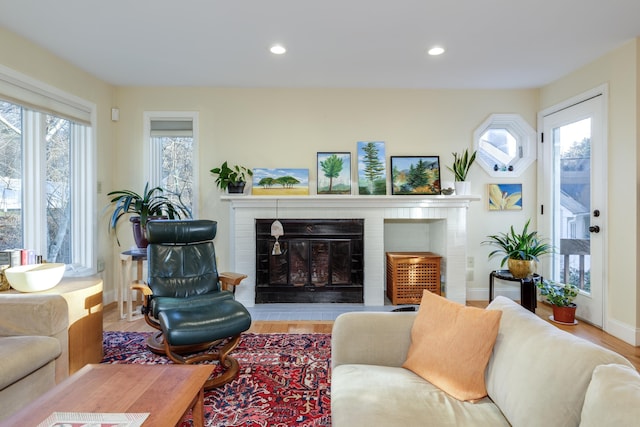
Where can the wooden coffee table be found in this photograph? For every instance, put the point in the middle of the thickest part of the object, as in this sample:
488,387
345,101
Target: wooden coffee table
166,392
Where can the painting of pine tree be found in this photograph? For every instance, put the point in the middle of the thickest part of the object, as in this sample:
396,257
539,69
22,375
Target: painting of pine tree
415,175
372,171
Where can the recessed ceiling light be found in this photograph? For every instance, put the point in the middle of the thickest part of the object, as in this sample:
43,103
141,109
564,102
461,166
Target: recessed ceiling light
277,49
434,51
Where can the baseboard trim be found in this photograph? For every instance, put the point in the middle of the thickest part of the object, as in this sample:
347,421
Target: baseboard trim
623,331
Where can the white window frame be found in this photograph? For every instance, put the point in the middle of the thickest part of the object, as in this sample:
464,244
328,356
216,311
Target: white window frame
33,94
154,155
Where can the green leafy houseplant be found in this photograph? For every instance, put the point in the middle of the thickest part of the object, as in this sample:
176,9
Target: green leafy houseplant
524,245
520,249
151,203
558,294
461,164
230,175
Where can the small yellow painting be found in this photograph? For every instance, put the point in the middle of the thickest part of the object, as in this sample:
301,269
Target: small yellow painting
505,197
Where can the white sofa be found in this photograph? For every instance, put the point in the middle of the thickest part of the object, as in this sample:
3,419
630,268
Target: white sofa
33,347
538,375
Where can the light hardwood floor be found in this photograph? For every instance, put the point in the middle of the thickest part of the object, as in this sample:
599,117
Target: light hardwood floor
582,329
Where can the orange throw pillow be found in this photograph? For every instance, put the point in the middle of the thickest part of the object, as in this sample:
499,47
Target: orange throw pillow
451,345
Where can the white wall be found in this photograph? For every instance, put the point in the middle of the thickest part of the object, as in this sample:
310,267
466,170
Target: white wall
287,127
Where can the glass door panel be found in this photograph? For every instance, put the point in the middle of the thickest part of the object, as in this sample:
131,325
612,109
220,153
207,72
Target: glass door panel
299,262
572,196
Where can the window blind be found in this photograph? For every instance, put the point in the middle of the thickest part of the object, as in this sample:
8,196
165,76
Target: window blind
37,96
182,128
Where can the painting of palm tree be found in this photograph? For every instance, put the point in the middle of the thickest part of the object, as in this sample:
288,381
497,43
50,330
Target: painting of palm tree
334,173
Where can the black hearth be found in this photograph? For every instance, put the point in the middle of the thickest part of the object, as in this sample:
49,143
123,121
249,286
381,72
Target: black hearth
322,260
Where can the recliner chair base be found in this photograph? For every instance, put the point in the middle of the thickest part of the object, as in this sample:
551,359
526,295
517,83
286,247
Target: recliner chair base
188,329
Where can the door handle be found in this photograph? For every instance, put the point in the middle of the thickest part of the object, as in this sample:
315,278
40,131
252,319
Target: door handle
594,229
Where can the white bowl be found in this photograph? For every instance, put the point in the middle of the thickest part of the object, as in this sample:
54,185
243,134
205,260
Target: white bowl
35,277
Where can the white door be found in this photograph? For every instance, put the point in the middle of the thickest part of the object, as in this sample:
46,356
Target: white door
573,198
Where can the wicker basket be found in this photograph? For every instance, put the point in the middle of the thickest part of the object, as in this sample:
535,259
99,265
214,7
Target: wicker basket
409,274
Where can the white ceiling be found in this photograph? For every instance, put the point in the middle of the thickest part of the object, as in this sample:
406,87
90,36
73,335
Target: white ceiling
331,43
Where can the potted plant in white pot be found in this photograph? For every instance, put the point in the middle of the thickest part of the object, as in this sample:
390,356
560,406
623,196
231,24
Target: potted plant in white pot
231,178
152,203
460,168
520,250
560,296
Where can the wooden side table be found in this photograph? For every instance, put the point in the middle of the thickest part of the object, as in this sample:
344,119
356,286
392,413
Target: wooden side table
125,293
528,294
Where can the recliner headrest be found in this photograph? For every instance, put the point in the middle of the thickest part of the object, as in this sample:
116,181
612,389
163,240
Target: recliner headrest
181,231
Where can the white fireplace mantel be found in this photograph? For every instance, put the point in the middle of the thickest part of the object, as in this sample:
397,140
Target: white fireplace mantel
374,210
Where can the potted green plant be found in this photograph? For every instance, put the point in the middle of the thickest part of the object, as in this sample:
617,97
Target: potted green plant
560,296
520,250
233,178
152,203
460,168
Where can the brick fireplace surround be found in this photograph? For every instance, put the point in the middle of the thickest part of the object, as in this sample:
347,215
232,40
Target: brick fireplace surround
445,216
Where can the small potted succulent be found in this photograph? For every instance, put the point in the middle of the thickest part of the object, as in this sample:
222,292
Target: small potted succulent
460,168
520,250
231,178
560,296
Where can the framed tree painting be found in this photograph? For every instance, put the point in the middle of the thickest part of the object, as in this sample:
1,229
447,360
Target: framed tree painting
280,182
372,170
415,175
334,173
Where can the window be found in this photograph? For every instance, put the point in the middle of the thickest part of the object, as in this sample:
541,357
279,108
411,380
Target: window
505,144
47,201
172,144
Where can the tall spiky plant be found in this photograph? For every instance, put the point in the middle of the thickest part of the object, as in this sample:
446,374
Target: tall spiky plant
461,164
525,245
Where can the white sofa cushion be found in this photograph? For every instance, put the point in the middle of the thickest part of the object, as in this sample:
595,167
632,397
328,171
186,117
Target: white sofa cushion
613,397
380,396
21,356
538,370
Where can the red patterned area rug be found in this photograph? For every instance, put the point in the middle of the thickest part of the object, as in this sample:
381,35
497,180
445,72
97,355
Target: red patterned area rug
283,379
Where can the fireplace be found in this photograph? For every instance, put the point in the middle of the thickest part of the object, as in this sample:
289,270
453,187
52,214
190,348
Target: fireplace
377,212
320,261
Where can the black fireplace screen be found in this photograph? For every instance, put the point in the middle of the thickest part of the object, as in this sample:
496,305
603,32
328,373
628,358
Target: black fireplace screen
320,261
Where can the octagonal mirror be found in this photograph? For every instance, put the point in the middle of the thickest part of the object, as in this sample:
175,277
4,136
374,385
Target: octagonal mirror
505,144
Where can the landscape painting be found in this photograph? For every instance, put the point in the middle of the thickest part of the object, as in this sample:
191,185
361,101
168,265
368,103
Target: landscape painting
415,175
372,170
505,197
280,182
334,173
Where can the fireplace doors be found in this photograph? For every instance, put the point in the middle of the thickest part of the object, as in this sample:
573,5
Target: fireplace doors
320,261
